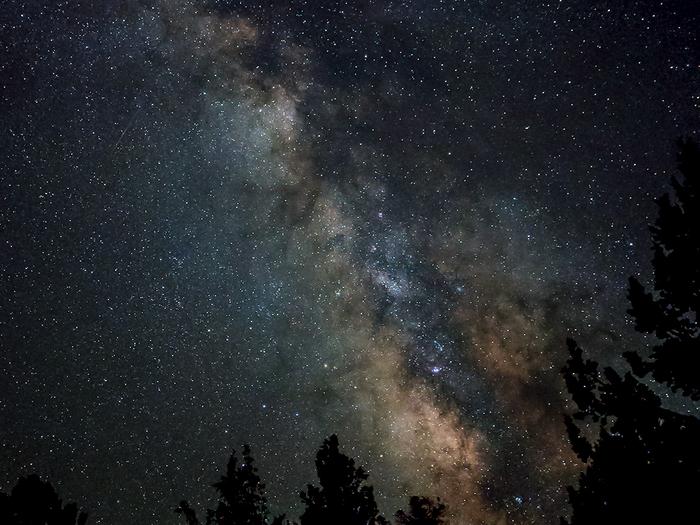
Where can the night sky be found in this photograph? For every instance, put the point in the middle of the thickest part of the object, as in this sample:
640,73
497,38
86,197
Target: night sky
266,222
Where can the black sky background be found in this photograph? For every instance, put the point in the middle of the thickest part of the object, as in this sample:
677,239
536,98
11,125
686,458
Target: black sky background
268,222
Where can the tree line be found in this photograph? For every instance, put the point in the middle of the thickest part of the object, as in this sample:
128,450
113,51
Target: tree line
342,496
639,448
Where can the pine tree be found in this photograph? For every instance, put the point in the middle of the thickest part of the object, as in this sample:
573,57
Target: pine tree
35,502
241,496
422,511
671,310
343,498
188,513
643,459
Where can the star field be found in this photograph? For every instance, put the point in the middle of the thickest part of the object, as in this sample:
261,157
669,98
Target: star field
266,222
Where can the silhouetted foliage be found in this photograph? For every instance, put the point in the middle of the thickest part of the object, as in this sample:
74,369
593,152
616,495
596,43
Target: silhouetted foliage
241,496
671,310
645,465
188,513
35,502
643,460
343,498
422,511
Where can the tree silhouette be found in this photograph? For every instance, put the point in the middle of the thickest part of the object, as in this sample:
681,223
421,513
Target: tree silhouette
671,310
188,513
422,511
343,498
35,502
643,459
241,496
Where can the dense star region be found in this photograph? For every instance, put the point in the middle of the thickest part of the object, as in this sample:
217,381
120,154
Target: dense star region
228,222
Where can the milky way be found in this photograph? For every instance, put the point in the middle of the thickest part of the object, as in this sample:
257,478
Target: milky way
228,222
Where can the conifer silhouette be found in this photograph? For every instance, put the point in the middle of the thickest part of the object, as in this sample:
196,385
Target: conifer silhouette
188,513
642,458
241,496
35,502
671,310
422,511
343,498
